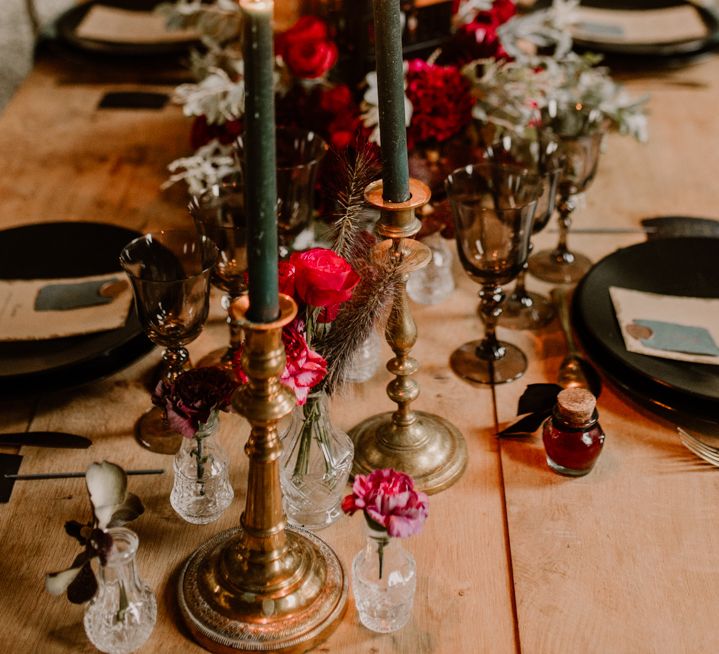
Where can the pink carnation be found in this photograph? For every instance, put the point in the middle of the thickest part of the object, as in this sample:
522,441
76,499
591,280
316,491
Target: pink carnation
388,499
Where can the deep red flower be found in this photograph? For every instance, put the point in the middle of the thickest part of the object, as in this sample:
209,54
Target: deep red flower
323,278
287,278
434,118
306,48
202,132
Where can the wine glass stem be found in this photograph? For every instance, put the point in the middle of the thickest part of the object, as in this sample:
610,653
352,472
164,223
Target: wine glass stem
175,359
566,207
237,334
490,307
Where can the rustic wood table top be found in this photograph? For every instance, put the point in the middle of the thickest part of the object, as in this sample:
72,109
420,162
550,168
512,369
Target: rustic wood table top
513,557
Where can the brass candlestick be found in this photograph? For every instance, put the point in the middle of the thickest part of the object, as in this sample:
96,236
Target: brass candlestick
263,587
421,444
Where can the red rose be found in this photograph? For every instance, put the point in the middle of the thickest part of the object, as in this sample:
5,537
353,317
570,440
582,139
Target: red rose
287,278
323,278
336,99
306,48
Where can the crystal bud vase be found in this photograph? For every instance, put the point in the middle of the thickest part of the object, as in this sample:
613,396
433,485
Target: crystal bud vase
434,283
384,578
315,465
366,360
201,490
123,612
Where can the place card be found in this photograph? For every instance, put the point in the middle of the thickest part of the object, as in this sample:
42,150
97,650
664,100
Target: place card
115,25
668,326
41,309
646,26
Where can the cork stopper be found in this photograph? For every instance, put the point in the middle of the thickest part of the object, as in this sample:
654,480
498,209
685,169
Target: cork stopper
576,405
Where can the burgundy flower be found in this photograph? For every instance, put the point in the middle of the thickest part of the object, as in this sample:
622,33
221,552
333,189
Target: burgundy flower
193,396
323,278
306,48
202,132
434,119
389,501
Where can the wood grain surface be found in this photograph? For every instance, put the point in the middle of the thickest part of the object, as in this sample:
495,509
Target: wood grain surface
623,560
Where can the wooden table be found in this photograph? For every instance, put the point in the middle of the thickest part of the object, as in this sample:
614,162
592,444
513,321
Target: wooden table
513,557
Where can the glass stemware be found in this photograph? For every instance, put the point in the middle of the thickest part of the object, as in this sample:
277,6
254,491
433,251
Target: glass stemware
170,276
524,309
299,153
493,207
580,143
219,214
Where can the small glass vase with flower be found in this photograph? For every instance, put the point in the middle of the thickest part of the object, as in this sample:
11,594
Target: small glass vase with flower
201,490
122,609
384,574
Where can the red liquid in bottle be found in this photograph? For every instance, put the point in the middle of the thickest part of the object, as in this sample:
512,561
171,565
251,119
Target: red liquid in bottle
573,439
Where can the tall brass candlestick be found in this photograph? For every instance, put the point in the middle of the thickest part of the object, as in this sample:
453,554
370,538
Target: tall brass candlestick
428,447
263,587
424,445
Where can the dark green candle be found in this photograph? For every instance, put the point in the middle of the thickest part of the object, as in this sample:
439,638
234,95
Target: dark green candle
259,166
390,86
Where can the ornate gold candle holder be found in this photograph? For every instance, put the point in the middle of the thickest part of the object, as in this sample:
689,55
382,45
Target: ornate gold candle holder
424,445
263,586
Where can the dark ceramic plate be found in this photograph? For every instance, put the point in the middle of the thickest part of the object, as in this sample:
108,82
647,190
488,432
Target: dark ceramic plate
51,251
669,49
66,26
672,266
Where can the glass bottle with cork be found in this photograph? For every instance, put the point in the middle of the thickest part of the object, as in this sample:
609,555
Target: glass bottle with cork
573,438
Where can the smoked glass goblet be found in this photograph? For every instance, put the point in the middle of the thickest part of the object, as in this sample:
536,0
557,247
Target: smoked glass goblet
581,152
299,153
524,309
493,206
219,214
170,276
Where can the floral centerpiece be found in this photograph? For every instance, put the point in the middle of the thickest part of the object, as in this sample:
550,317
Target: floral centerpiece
123,609
201,489
488,65
383,573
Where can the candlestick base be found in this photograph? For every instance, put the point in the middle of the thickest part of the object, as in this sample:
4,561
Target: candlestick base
431,449
226,614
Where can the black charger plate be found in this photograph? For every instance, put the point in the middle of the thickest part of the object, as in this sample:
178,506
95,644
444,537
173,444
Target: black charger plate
680,390
52,251
667,50
68,22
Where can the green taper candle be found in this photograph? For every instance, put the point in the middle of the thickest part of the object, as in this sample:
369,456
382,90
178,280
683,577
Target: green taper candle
259,166
390,87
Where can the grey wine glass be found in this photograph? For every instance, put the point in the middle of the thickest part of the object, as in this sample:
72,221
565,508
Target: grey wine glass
170,275
219,214
299,153
525,309
580,134
493,207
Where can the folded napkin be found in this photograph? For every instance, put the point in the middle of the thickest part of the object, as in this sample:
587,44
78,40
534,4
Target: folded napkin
41,309
668,326
115,25
645,26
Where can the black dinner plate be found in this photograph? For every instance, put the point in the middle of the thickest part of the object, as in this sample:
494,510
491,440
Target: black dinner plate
52,251
68,22
672,266
678,49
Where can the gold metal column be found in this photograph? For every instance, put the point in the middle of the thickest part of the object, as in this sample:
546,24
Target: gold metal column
428,447
263,587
